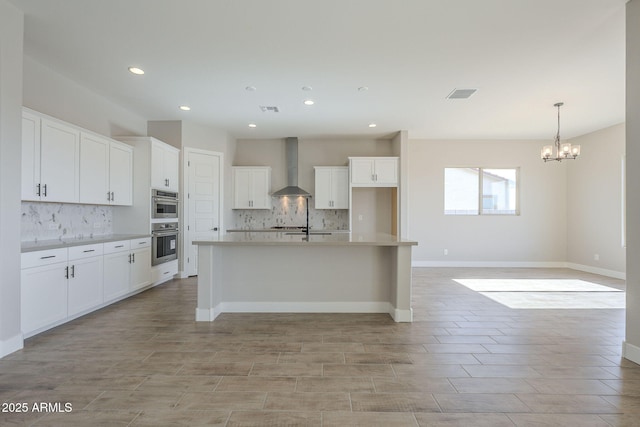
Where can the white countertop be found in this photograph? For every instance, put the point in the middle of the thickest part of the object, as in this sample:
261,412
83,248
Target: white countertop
42,245
300,239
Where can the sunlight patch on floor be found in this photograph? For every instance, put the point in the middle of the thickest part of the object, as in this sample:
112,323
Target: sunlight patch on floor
547,293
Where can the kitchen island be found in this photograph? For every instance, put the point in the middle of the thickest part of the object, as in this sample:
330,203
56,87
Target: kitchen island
296,273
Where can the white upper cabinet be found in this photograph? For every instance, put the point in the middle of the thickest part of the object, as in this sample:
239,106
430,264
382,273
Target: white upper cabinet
332,187
59,162
64,163
120,173
164,166
106,171
251,186
94,170
30,156
374,171
50,160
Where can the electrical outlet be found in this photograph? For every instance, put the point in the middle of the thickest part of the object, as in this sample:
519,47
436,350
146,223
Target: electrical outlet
446,251
97,225
53,226
360,217
596,257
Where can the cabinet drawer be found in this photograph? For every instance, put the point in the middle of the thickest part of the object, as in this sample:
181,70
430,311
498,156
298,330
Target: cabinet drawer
144,242
119,246
40,258
85,251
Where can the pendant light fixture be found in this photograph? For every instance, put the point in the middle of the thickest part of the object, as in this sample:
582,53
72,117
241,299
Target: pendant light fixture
559,152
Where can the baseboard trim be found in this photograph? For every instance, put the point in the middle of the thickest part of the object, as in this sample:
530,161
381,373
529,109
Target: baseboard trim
522,264
479,264
401,315
206,314
11,345
304,307
631,352
595,270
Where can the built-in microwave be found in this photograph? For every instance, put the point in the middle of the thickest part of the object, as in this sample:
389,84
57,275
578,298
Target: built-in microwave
164,204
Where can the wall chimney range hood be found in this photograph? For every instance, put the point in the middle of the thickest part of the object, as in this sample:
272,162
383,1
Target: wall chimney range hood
292,189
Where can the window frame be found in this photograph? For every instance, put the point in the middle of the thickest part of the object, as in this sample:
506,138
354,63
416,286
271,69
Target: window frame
481,196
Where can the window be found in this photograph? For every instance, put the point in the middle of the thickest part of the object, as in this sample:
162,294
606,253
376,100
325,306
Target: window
480,191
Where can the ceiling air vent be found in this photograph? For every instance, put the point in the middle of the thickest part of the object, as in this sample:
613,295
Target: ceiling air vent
461,93
269,109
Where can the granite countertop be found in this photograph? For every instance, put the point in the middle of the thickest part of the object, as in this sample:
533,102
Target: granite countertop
41,245
316,238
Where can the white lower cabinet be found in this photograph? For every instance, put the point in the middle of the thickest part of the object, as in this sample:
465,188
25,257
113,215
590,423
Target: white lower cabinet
140,263
127,267
60,284
85,278
163,272
117,266
44,296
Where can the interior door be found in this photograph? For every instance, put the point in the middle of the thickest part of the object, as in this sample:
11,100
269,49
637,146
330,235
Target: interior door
203,199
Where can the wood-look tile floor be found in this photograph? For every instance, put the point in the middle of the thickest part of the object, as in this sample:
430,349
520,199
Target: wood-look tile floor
465,361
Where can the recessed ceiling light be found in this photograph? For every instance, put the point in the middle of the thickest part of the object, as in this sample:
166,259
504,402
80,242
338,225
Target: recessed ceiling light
136,70
250,88
363,88
372,125
307,88
309,102
185,108
252,125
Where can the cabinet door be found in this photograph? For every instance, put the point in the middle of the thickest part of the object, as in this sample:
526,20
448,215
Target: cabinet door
362,171
43,299
94,170
260,186
85,284
140,267
121,174
323,188
30,156
340,188
171,161
59,162
242,188
116,275
386,171
158,180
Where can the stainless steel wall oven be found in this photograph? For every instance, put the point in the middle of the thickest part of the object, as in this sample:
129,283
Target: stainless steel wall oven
164,204
164,242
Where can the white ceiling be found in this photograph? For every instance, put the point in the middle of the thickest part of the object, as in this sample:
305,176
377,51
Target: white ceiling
521,55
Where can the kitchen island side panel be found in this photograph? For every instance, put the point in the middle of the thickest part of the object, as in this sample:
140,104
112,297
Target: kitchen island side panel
319,273
306,274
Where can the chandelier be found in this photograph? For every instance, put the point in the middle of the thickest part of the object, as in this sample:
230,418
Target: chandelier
559,152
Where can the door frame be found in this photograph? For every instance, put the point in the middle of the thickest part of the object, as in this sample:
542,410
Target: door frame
184,215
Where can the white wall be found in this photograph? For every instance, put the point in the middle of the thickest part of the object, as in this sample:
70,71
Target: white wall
183,134
51,93
11,41
594,202
323,152
535,237
631,349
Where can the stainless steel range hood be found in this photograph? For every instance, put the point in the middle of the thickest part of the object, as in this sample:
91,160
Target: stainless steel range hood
292,189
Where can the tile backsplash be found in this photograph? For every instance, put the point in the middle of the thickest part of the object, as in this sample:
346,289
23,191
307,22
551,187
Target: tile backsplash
46,221
291,212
